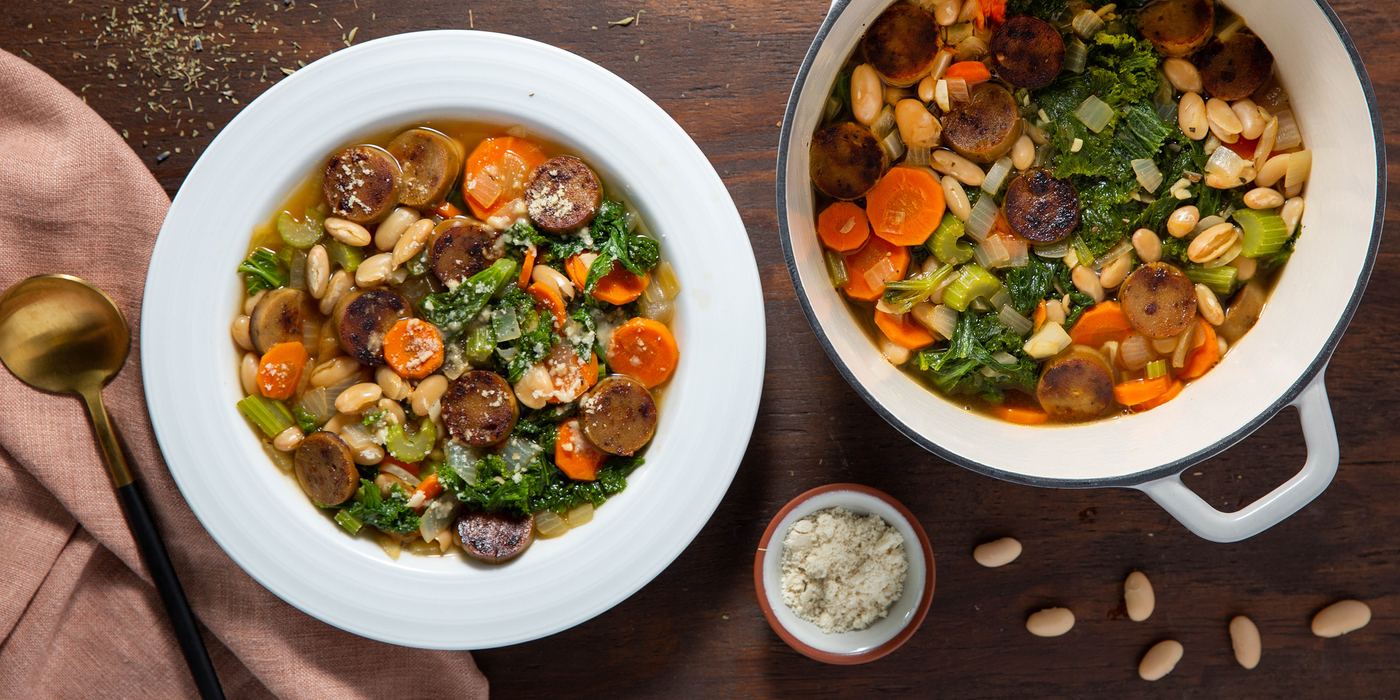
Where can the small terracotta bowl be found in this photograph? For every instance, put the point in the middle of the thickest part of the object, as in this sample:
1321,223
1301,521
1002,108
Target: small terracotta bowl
882,636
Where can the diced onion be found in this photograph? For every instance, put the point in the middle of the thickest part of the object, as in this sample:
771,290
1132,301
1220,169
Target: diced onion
439,516
918,155
956,33
940,64
484,189
400,472
579,515
1206,223
1000,299
356,436
892,145
666,275
833,106
1048,341
957,90
1013,319
1225,162
1076,54
1184,343
979,223
884,122
1288,134
1087,24
506,325
1053,250
518,453
1020,253
1299,164
1124,247
1133,353
550,524
996,175
1147,174
462,459
1095,113
940,95
992,253
943,321
1226,257
880,273
971,49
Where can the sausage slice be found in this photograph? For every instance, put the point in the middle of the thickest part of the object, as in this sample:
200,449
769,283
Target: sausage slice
279,317
901,44
1243,312
1159,300
847,161
986,126
495,537
618,415
430,163
362,184
365,319
1233,69
1076,384
563,194
462,248
1177,27
479,408
1042,208
326,469
1028,51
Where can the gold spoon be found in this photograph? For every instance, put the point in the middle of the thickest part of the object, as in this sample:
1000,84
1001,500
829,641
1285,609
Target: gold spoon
62,335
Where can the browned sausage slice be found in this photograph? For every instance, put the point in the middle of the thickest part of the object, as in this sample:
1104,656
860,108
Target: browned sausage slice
326,469
1041,208
901,44
1076,384
1233,69
1159,300
618,415
986,126
847,161
495,537
1028,51
364,321
479,408
362,184
279,317
563,194
1177,27
462,248
430,163
1243,311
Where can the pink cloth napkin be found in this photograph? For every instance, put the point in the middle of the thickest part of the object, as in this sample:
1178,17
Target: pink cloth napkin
78,614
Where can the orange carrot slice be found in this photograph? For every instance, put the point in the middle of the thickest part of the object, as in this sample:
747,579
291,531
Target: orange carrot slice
644,349
905,206
620,286
574,455
1166,396
903,331
972,71
868,269
526,269
549,298
279,371
1100,324
413,348
1136,391
843,226
496,173
1205,355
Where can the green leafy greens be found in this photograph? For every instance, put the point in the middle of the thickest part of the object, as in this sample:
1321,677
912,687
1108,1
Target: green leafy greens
970,364
263,270
539,486
453,310
390,514
636,253
536,335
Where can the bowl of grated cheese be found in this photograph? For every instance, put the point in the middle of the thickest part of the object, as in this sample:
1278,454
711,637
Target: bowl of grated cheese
844,574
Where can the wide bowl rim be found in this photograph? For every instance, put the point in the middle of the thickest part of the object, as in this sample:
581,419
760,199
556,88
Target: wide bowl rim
1315,366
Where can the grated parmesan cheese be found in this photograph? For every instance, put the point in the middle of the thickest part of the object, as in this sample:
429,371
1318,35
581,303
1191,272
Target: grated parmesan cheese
842,571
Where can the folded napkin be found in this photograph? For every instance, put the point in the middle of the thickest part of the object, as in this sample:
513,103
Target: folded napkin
78,613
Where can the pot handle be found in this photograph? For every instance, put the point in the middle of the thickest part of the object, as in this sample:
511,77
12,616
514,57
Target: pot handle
1320,434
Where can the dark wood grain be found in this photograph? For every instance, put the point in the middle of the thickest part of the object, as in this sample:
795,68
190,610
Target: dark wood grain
723,71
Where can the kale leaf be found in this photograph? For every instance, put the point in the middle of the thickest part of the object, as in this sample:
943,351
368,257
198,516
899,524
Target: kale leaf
540,486
1044,278
453,310
636,253
536,334
969,366
522,235
389,515
562,493
1044,9
263,270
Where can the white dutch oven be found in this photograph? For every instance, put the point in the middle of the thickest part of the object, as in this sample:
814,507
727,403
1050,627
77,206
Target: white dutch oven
1277,364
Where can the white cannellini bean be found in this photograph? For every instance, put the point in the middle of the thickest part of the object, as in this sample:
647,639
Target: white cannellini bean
412,240
347,232
428,393
535,387
252,302
394,386
248,374
946,12
1340,618
241,333
1183,220
338,421
1138,596
358,397
392,228
956,197
1246,267
1292,213
374,270
288,439
1148,245
1209,305
368,455
1293,190
1038,136
867,94
917,126
1116,271
950,163
1212,243
1222,118
1160,659
1191,116
1244,638
1251,123
340,283
896,354
926,88
334,371
1273,171
1182,74
1087,281
1054,312
997,552
1263,198
1050,622
1023,153
318,271
392,411
551,277
1266,144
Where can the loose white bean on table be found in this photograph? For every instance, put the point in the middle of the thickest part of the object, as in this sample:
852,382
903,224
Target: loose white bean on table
1340,618
1160,659
1138,596
1244,638
997,552
1050,622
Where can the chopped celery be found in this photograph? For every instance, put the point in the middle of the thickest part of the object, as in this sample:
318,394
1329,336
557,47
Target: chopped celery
410,447
348,521
1220,280
270,415
1083,251
481,342
945,244
902,295
347,256
836,269
304,232
1264,232
973,282
421,263
1156,368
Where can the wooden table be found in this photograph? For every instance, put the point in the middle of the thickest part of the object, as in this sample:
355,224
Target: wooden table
723,70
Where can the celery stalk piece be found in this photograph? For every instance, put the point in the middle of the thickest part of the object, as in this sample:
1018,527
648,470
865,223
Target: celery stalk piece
1265,233
836,269
902,295
1220,280
351,523
1156,368
481,342
270,415
304,232
945,244
973,282
347,257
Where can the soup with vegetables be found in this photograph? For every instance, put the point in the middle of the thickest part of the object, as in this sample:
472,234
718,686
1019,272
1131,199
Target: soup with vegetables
1058,211
455,337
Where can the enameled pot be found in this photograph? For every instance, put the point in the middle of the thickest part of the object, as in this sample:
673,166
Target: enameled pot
1279,363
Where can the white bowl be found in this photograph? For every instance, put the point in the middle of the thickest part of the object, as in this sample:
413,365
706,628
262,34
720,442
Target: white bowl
885,634
261,518
1278,363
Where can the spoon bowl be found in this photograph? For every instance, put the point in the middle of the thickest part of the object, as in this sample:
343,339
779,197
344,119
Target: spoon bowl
60,334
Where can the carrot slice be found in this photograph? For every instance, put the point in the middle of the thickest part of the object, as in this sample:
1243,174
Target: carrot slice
569,373
1244,147
868,269
1100,324
279,371
429,487
905,206
526,269
413,348
547,297
1040,315
620,286
1203,357
411,468
972,71
446,210
1134,392
645,350
1166,396
496,173
903,331
1012,411
843,226
574,455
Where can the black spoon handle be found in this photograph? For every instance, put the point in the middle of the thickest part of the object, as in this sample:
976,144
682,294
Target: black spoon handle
171,594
